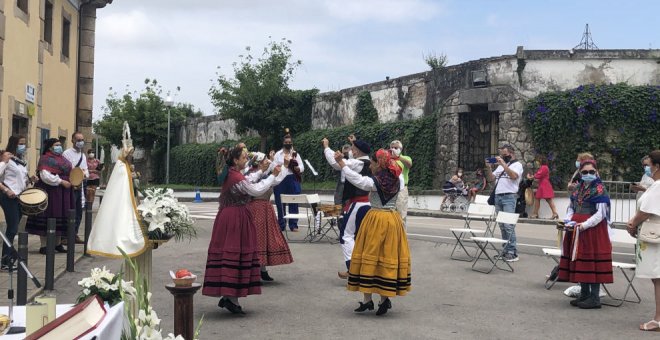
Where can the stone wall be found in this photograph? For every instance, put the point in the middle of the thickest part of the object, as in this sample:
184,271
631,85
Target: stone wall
207,129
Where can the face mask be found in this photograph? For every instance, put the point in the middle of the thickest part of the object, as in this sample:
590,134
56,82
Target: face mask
91,155
507,159
647,170
288,146
57,149
396,152
577,164
20,149
80,144
588,178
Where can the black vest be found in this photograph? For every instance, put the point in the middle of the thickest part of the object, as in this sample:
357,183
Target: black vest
351,190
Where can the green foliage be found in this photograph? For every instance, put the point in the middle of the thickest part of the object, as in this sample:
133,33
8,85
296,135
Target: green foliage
259,98
617,123
365,112
146,113
193,164
436,62
418,138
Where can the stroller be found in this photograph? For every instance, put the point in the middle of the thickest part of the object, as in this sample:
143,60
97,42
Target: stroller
456,197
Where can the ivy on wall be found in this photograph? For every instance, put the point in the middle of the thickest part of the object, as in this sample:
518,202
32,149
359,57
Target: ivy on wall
617,123
418,138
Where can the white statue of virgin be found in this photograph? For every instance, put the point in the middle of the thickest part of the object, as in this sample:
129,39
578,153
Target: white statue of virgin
118,223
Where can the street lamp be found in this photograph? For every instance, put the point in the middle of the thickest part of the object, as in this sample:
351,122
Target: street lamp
169,102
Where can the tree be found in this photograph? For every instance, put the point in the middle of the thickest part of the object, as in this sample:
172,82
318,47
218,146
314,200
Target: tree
365,112
436,62
146,114
259,98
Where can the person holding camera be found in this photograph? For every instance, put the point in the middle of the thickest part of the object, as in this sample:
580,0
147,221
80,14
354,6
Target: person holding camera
507,176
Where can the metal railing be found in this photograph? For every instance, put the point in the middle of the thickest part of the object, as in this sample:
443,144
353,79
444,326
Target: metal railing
623,202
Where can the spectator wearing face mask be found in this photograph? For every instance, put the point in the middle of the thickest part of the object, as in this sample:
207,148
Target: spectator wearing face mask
291,183
405,163
94,168
76,156
646,180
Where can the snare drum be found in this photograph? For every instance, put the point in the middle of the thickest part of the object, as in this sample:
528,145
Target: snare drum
76,177
33,201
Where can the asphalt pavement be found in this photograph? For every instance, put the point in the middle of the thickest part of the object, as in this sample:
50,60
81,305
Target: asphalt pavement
448,300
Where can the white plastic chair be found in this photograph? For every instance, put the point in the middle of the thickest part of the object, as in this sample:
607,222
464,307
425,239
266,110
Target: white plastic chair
301,200
475,212
488,243
627,270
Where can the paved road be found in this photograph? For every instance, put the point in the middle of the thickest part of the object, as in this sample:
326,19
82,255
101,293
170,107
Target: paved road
448,300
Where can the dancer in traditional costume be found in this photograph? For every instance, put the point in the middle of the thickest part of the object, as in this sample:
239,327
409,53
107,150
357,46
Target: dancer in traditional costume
587,251
272,248
232,266
118,222
381,258
356,200
53,170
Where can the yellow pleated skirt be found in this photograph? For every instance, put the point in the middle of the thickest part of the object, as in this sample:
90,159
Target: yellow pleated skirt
381,258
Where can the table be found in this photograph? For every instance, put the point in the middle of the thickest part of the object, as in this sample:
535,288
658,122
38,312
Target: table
110,327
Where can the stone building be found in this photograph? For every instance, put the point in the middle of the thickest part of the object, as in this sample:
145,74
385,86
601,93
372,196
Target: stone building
46,69
480,102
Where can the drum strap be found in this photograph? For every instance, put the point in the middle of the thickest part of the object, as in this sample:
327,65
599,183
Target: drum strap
80,160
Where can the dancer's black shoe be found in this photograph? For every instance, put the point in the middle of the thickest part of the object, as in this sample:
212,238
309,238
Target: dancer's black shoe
383,307
266,277
230,306
365,306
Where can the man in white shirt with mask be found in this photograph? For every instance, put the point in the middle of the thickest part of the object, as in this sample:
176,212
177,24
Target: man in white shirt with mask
77,157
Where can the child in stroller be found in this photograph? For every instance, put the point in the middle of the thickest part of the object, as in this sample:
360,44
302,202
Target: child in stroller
456,194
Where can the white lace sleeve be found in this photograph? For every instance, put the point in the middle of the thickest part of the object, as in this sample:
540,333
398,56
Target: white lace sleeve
254,189
362,182
49,178
596,218
254,177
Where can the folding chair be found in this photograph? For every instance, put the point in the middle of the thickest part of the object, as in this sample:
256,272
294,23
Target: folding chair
475,211
300,200
486,243
481,199
554,254
483,213
323,225
626,269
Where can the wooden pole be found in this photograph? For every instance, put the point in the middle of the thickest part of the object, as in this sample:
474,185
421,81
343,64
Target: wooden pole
183,309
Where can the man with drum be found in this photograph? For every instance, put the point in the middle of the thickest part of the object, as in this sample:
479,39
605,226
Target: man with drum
356,200
79,173
14,180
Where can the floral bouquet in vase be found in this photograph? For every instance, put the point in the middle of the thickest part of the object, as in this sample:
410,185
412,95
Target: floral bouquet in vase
165,216
106,285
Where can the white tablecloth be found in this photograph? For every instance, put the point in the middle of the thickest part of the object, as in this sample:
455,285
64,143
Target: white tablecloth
110,328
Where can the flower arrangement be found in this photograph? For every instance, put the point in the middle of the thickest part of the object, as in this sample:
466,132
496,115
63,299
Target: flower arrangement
108,286
166,217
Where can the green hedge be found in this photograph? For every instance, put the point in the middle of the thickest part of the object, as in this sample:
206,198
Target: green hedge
418,138
617,123
194,163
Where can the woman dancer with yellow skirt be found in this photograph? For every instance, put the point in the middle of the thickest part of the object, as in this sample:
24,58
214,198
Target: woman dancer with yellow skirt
381,258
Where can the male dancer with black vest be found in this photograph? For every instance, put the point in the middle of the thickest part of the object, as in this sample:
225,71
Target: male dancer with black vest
356,200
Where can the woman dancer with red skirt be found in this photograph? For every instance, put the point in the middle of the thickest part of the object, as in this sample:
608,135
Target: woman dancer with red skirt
587,251
272,248
232,266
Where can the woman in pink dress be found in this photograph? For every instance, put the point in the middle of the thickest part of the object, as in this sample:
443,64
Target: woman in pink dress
544,190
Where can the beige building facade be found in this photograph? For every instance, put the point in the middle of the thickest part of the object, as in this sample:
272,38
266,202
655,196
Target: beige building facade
46,70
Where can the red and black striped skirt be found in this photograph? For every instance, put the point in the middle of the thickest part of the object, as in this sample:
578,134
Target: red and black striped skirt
593,262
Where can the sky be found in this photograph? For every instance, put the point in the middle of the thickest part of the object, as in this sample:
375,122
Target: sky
341,43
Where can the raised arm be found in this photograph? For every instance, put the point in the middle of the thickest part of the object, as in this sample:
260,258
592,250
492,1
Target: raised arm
362,182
